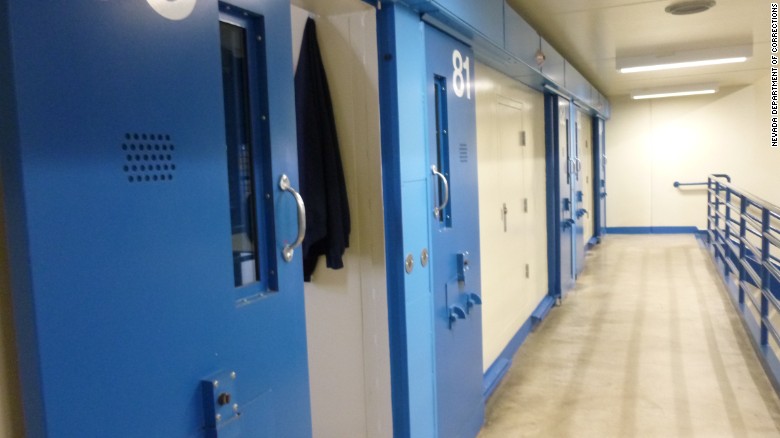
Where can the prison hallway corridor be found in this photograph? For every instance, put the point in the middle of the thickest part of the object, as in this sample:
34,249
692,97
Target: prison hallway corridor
647,345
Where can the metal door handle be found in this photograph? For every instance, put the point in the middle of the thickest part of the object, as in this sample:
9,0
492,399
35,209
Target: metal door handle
437,210
289,250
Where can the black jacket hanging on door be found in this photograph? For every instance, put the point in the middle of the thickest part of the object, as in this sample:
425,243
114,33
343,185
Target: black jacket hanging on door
319,161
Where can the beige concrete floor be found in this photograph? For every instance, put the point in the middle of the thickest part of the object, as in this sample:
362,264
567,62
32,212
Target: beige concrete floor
647,345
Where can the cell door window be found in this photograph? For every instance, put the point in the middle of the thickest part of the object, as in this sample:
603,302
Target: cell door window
242,84
444,195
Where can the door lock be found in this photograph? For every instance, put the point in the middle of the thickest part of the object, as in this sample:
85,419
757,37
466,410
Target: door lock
463,265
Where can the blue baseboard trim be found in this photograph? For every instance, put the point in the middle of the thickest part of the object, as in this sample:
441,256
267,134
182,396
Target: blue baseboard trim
542,310
501,365
495,374
653,230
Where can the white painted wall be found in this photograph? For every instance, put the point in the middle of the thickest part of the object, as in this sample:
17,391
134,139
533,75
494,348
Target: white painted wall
508,173
652,143
346,310
11,421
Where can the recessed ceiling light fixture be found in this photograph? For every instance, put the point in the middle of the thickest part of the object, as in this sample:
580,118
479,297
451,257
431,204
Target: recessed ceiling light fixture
690,7
676,91
685,59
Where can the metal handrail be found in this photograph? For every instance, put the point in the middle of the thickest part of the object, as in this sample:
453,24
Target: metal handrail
678,184
736,221
758,201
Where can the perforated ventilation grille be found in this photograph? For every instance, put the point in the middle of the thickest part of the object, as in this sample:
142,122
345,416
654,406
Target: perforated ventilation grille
148,157
463,153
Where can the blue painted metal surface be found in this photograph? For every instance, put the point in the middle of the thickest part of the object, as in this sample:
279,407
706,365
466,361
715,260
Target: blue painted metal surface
567,200
489,26
391,188
553,193
520,39
482,16
455,260
124,290
744,238
554,64
405,185
577,116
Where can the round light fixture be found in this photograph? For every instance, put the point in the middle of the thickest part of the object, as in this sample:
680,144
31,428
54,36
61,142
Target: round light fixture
690,7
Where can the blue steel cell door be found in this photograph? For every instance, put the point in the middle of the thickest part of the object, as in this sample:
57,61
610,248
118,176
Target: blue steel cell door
150,224
600,162
454,235
579,208
566,201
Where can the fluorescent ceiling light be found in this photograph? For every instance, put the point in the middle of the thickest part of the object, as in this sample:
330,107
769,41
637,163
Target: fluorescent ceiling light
682,90
684,59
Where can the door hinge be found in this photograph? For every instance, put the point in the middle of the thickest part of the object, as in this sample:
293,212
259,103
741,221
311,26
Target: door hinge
522,138
527,271
525,205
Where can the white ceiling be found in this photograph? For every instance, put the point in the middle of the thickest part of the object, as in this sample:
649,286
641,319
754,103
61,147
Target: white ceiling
592,33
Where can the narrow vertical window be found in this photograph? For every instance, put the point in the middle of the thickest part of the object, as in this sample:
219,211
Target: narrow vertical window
443,148
239,142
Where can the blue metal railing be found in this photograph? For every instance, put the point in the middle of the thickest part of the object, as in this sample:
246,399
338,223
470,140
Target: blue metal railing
744,240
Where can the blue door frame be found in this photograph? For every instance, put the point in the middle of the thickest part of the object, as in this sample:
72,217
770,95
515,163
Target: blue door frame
402,85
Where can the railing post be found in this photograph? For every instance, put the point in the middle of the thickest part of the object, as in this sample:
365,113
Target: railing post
727,238
710,235
742,235
717,218
765,229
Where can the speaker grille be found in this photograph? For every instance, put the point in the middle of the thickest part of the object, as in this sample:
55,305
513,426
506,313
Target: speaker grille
148,158
463,153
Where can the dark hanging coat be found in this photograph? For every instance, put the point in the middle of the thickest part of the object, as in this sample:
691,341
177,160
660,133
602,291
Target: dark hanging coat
319,161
